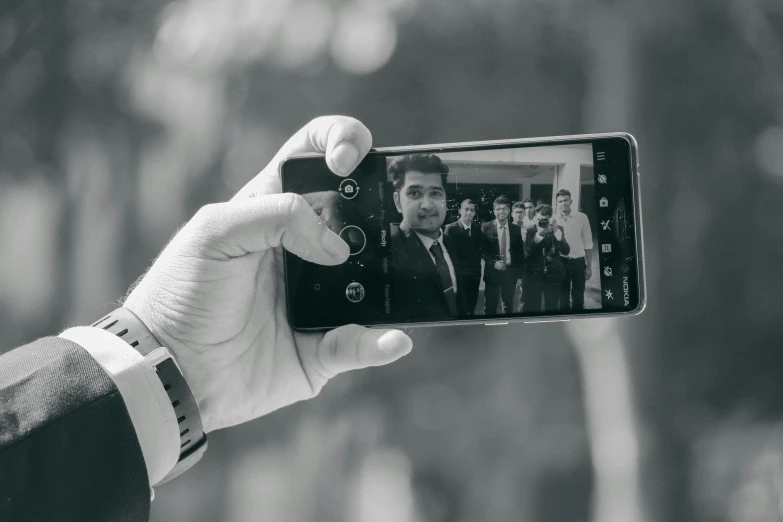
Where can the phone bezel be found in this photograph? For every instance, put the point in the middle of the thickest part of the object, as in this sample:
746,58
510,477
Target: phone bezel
493,144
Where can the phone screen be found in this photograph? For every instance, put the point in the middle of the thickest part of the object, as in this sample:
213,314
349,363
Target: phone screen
472,232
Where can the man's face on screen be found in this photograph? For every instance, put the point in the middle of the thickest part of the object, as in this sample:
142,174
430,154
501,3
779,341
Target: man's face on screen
467,212
517,214
422,202
501,213
564,204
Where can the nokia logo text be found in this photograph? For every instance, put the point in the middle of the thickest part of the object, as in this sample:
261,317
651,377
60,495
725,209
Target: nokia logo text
626,291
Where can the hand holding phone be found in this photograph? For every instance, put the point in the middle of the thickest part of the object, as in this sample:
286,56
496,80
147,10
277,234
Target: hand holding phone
214,295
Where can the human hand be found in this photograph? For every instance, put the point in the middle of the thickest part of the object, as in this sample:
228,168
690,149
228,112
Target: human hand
588,272
500,265
552,225
216,296
330,207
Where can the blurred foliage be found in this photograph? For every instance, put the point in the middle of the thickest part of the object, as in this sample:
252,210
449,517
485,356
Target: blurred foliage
118,120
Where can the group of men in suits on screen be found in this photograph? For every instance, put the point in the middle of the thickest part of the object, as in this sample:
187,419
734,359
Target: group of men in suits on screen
437,271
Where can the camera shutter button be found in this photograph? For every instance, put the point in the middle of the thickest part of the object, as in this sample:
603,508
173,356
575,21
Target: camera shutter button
355,238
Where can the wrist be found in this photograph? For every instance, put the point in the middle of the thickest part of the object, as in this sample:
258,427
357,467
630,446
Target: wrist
136,331
157,317
147,311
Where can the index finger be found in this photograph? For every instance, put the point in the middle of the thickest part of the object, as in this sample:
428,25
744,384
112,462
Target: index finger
344,140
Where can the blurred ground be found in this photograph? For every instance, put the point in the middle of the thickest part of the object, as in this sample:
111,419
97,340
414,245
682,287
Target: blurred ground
118,120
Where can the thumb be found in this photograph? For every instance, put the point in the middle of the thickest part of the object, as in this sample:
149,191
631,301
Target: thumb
239,227
352,347
343,140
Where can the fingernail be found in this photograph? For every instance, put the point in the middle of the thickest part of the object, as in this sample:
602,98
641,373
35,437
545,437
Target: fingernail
395,343
334,245
345,156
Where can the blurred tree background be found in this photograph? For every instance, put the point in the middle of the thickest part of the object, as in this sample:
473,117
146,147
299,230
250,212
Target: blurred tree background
119,119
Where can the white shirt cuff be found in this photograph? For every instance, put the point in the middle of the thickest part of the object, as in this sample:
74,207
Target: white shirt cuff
147,402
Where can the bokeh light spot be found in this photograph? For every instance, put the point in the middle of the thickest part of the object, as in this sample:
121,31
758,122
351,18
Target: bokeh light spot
304,34
769,152
364,39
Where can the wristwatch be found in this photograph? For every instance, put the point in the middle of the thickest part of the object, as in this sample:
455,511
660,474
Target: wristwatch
193,441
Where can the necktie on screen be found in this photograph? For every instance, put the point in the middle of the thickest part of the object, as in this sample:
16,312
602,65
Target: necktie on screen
503,248
445,277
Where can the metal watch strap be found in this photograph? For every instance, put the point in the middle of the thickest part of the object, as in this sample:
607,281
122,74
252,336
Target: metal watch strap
193,441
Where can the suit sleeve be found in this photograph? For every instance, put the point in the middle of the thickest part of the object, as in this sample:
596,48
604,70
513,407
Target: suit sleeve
562,244
519,248
451,233
486,248
530,242
68,447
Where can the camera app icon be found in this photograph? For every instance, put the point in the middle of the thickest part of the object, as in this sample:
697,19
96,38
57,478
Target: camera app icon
348,189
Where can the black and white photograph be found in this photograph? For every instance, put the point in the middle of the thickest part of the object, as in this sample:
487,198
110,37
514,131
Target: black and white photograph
488,232
391,261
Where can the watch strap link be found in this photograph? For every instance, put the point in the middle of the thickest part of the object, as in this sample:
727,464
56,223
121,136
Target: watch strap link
124,324
192,438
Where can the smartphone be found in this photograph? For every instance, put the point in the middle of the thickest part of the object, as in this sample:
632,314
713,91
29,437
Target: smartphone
541,229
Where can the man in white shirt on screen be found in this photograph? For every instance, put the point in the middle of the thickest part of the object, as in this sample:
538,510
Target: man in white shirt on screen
579,237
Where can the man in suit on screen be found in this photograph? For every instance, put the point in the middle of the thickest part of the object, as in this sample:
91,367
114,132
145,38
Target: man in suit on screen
424,279
465,236
504,256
